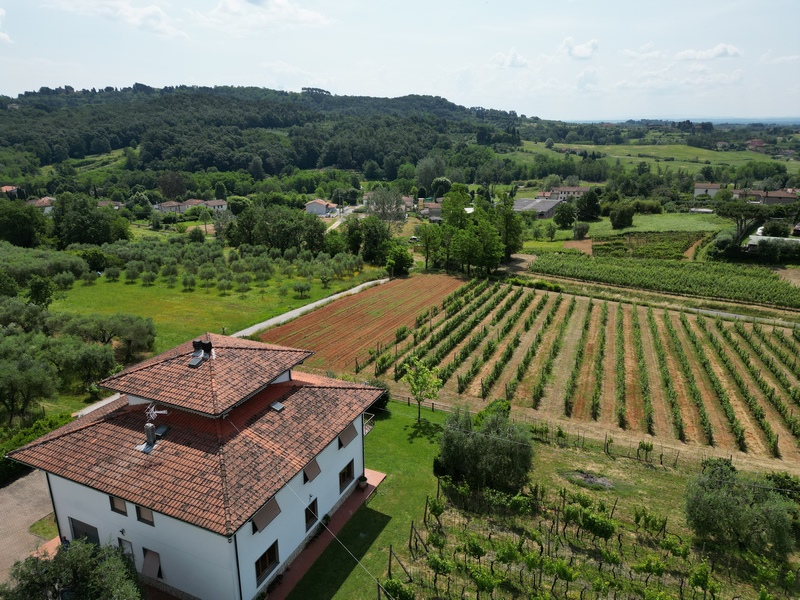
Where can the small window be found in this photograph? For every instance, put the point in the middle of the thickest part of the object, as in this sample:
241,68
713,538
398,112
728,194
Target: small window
127,546
118,505
311,514
345,476
145,515
266,515
266,563
311,471
347,436
152,564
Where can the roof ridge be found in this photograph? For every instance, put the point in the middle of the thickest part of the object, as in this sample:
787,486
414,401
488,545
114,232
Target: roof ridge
226,500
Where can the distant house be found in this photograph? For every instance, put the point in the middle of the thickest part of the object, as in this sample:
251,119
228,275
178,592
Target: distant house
408,201
191,203
753,241
543,207
216,492
432,210
217,205
780,197
796,229
318,207
170,206
112,203
710,189
11,190
565,193
44,204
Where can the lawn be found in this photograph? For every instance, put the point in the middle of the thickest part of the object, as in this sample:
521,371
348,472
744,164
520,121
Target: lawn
404,450
179,315
641,224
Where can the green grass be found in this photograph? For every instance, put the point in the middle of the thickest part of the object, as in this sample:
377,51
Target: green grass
180,315
641,224
685,157
404,450
45,528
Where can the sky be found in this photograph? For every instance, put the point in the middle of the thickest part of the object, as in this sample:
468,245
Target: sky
572,60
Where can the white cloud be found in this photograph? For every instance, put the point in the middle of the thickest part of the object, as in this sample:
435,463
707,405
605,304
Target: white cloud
583,51
718,51
645,52
4,37
512,60
146,17
768,59
588,80
665,81
242,17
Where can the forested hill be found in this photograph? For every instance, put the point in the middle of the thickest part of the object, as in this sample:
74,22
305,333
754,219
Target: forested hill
195,128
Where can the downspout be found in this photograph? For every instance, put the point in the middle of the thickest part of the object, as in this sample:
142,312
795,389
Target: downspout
238,574
55,512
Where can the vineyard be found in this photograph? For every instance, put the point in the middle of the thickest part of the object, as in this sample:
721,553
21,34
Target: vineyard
677,377
724,281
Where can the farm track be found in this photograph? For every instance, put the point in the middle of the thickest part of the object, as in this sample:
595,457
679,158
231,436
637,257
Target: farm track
583,392
786,443
723,435
691,418
526,337
633,397
662,416
754,436
525,390
553,400
608,396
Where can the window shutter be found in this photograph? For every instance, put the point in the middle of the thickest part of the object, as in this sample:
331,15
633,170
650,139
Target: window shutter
312,470
267,514
347,436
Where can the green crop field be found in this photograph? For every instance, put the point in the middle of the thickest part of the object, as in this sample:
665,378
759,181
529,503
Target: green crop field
179,315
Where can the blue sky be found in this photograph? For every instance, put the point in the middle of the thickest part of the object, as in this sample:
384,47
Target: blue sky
556,59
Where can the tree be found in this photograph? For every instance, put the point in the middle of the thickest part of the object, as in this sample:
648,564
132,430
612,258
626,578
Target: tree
509,224
387,205
428,169
724,509
256,168
454,211
440,186
40,290
549,143
587,207
196,235
399,260
302,288
24,379
564,215
743,214
466,249
172,184
621,216
136,334
21,224
424,382
494,453
777,228
78,220
84,570
376,236
430,238
550,230
580,230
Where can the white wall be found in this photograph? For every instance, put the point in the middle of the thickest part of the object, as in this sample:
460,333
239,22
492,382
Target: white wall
289,528
192,559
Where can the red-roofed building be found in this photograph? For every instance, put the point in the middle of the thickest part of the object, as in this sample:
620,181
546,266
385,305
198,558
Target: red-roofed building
213,465
318,207
711,189
44,204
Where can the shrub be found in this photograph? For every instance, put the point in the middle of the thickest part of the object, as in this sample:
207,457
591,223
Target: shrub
621,217
579,230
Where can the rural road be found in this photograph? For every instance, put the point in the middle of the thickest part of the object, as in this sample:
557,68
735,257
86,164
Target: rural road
293,314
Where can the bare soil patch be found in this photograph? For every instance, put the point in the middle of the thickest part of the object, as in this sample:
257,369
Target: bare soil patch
582,408
584,246
349,327
608,394
662,414
791,274
633,395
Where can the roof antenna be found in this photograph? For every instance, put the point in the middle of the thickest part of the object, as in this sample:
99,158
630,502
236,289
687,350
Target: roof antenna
152,413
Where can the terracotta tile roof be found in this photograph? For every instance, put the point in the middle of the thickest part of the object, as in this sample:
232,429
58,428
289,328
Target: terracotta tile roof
8,188
215,473
216,203
236,370
707,186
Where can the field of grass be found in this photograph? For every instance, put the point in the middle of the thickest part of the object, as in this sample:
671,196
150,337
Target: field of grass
179,315
404,450
641,224
685,157
45,528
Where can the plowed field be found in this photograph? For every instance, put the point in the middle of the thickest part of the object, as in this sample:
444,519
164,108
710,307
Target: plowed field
349,327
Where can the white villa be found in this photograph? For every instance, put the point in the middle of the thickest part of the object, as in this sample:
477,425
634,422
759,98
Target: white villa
212,467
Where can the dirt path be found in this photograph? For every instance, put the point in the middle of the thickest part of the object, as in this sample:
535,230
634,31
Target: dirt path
754,437
608,400
690,250
662,413
719,422
582,408
553,400
633,396
689,414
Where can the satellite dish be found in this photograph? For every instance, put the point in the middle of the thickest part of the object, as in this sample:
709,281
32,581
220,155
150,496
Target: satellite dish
152,413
